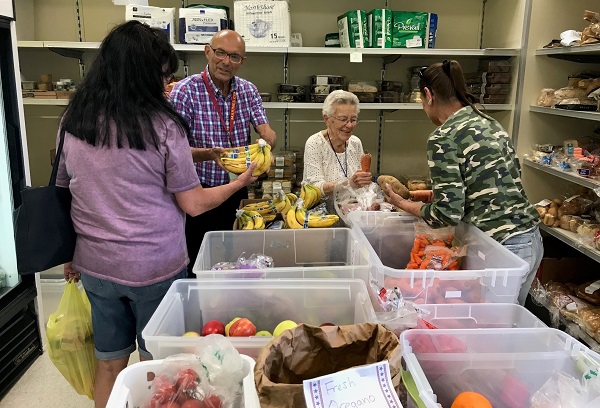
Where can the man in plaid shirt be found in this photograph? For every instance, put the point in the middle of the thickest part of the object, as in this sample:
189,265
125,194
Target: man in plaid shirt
220,109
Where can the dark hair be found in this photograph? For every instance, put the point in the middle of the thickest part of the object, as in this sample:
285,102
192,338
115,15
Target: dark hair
125,89
445,80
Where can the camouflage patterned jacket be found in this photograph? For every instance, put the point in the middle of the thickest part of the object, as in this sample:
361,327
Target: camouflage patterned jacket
476,178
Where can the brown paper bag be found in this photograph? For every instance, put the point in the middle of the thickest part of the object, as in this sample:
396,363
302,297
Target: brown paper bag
307,352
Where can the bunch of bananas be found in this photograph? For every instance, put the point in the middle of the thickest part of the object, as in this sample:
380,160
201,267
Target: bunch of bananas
237,159
297,218
280,204
311,195
250,220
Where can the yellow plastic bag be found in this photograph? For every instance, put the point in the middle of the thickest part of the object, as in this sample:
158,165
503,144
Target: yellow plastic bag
71,341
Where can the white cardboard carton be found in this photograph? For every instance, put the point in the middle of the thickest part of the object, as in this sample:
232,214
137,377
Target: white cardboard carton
263,23
158,17
198,25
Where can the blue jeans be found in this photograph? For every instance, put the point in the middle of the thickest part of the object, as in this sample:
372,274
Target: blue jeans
120,313
529,247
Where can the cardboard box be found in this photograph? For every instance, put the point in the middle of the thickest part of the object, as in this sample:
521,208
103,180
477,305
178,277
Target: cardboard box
197,25
379,27
414,29
157,17
263,23
352,27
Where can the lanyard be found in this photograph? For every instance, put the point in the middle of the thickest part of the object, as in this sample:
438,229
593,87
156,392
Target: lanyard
211,93
338,159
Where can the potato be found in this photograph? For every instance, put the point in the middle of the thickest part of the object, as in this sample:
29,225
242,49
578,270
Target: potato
397,186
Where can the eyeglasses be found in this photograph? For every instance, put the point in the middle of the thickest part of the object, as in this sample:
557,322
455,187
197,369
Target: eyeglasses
234,58
343,121
422,76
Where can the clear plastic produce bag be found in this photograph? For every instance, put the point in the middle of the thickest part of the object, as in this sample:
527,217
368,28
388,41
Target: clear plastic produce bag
71,340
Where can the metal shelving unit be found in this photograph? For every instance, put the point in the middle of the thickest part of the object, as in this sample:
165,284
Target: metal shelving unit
46,102
572,239
569,176
566,113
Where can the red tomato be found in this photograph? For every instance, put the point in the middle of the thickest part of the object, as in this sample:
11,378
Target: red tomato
213,327
242,328
192,403
212,401
164,390
186,380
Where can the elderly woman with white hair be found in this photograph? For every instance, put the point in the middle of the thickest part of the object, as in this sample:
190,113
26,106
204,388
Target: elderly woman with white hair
333,154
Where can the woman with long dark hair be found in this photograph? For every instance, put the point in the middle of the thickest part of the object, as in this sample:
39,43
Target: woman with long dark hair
127,162
475,174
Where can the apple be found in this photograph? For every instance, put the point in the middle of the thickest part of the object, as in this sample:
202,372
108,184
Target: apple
213,327
190,334
283,326
212,401
229,325
242,328
326,324
264,333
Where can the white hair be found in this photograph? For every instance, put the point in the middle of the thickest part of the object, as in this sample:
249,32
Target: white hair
339,97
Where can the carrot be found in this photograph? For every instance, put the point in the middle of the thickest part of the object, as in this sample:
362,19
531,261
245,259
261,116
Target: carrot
425,196
365,162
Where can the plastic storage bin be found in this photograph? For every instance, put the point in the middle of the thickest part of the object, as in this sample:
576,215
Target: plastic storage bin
132,386
480,316
506,366
491,273
329,252
190,303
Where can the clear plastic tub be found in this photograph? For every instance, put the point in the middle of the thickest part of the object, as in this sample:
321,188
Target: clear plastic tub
327,249
490,273
190,303
132,386
506,366
480,316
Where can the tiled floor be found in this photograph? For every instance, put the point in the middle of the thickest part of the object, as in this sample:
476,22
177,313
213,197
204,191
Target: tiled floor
43,386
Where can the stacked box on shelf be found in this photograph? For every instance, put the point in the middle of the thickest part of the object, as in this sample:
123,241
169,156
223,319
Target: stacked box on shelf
132,387
489,272
299,162
506,366
491,84
263,23
190,303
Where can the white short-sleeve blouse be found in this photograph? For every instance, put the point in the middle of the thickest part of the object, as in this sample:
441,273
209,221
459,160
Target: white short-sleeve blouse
321,164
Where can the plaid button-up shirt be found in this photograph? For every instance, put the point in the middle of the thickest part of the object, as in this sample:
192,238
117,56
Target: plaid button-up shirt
191,99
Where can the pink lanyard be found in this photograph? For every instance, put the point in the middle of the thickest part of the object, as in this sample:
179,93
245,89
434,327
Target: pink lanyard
214,101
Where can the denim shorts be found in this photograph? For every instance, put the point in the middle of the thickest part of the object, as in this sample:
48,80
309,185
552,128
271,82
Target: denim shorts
120,313
529,247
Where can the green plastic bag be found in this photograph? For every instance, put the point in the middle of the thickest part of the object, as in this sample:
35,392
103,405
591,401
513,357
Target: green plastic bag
71,341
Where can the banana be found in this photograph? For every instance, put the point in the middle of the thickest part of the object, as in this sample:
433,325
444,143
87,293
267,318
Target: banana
291,219
292,197
324,221
259,222
260,161
236,160
287,207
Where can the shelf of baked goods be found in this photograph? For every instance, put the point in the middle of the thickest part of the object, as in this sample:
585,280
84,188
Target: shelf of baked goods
377,52
579,53
569,176
565,112
573,240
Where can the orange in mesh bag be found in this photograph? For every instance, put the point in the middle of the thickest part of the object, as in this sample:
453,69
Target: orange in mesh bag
71,340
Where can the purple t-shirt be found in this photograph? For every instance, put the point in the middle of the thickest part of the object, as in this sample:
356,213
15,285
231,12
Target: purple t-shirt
129,227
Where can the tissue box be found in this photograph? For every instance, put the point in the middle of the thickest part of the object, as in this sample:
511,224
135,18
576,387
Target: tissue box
379,26
198,25
263,23
413,29
158,17
352,27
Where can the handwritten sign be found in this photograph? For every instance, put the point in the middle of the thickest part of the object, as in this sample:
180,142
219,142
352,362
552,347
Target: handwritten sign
365,386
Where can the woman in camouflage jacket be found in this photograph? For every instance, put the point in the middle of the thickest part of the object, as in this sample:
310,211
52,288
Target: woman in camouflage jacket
475,174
